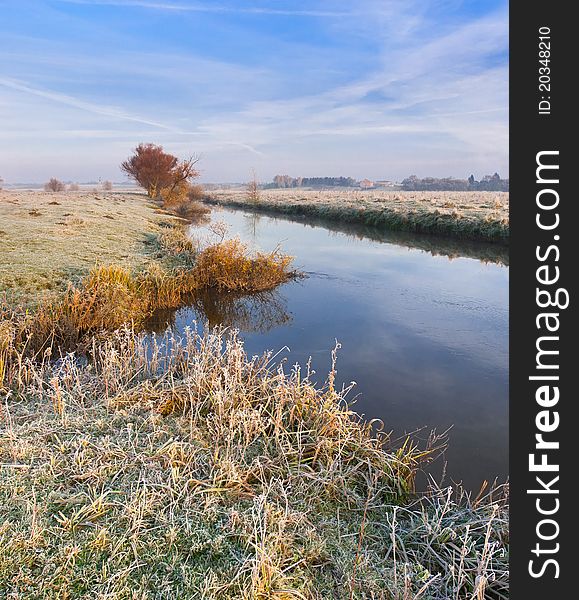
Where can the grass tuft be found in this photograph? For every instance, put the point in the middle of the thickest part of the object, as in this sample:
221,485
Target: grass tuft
185,469
228,266
112,296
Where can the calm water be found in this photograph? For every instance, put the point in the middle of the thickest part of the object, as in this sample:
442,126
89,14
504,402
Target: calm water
424,336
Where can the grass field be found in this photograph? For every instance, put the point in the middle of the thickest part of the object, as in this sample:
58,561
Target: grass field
482,216
50,239
141,468
200,472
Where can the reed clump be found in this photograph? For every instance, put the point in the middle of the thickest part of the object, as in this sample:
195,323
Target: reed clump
228,266
182,468
112,296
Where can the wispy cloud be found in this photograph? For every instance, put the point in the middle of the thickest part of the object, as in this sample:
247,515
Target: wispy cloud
108,111
397,87
422,97
212,8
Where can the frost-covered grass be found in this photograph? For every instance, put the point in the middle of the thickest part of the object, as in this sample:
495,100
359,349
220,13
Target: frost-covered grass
187,469
468,215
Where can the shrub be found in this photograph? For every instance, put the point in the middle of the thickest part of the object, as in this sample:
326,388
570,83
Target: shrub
196,193
183,200
54,185
157,171
175,194
228,266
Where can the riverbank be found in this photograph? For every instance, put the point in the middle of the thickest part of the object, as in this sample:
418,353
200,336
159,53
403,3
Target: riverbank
50,239
202,473
477,216
184,468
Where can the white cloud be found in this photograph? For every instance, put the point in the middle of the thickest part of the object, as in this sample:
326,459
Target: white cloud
210,8
435,98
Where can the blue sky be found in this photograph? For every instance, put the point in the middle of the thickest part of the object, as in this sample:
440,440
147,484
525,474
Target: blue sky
372,88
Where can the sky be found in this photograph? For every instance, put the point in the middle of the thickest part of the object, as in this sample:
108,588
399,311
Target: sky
378,89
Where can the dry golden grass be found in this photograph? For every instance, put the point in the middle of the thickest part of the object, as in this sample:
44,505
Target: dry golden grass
229,266
468,215
49,239
112,296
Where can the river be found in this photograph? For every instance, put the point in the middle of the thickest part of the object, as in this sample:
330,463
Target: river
422,324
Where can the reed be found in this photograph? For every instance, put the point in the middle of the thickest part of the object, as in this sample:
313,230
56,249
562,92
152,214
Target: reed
228,266
112,296
182,468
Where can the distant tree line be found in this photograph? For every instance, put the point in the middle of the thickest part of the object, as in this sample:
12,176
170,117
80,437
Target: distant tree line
285,181
489,183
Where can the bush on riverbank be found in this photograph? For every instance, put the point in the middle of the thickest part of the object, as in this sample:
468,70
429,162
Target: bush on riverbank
188,470
112,296
227,266
187,204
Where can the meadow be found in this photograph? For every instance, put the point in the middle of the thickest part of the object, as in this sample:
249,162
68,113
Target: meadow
136,466
49,239
480,216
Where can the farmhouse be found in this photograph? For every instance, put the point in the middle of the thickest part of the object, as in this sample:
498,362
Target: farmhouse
366,184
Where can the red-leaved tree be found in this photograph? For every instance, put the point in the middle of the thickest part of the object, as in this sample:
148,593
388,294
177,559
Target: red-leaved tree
158,171
151,168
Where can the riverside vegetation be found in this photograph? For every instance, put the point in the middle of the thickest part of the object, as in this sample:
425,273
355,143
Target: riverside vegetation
133,466
479,216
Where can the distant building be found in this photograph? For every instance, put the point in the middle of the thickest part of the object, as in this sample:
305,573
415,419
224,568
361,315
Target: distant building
366,184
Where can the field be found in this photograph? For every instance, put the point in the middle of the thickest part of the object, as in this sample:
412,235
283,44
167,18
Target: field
48,239
133,467
468,215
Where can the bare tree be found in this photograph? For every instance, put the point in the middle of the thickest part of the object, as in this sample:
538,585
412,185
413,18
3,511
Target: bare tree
1,182
253,194
179,189
107,185
54,185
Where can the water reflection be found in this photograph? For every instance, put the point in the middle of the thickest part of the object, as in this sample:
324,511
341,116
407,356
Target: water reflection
423,327
452,248
251,223
253,313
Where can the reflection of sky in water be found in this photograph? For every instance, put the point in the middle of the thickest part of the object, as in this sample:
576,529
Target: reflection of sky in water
425,338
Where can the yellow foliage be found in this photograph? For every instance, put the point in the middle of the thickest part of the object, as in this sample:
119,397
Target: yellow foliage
112,296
